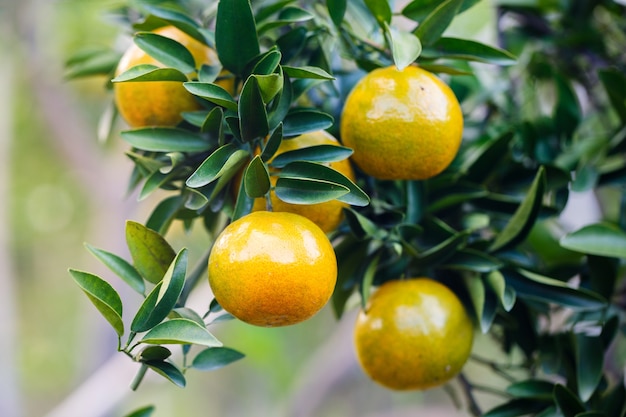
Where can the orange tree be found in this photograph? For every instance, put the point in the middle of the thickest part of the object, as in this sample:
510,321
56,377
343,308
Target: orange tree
542,115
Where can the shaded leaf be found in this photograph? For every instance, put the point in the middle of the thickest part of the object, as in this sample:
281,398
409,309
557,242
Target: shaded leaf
602,239
168,371
216,165
432,27
532,388
589,364
256,179
151,253
154,353
569,404
473,260
165,139
272,144
103,297
120,267
317,153
298,122
337,10
180,331
164,213
90,63
214,358
253,123
362,227
308,190
517,407
236,38
142,412
496,281
614,82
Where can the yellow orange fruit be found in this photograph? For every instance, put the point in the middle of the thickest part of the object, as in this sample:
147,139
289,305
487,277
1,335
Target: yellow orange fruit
327,215
404,125
413,334
158,103
272,268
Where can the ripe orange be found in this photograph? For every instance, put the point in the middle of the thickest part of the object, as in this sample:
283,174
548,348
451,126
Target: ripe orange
272,268
326,215
158,103
413,334
402,124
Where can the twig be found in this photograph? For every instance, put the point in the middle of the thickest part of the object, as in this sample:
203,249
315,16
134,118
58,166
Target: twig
468,389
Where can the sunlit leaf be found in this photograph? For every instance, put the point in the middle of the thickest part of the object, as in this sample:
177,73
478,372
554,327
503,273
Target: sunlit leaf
165,139
432,27
147,72
307,72
213,93
151,254
216,165
180,331
317,153
602,239
167,51
405,46
120,267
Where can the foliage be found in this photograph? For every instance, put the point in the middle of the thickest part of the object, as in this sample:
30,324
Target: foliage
545,116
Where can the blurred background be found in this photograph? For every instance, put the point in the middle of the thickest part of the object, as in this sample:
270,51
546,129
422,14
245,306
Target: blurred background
61,187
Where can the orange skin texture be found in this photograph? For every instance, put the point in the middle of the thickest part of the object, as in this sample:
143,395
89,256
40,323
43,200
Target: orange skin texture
158,103
415,334
404,125
272,269
326,215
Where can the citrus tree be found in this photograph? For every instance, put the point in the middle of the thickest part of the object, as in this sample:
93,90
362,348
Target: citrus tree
350,152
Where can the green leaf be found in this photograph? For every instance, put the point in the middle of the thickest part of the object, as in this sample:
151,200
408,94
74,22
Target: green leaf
308,72
253,122
308,190
120,267
272,144
517,407
103,297
268,63
368,279
442,251
454,48
153,353
298,122
256,179
479,164
614,83
236,38
405,46
90,63
496,281
147,72
522,221
281,105
216,165
213,125
269,86
288,15
567,111
381,11
362,227
311,170
476,290
433,26
164,213
151,254
142,412
187,313
337,10
163,296
168,371
541,288
589,364
214,358
317,153
213,93
180,331
178,19
473,260
165,139
532,388
569,404
167,51
155,180
418,10
602,239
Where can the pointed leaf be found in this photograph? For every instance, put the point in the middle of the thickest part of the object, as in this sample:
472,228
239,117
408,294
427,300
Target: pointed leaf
252,113
216,165
433,26
368,280
269,86
589,364
165,139
103,297
308,190
268,63
167,51
454,48
337,10
164,213
381,10
405,46
362,227
272,144
418,10
180,331
235,35
517,407
214,358
147,72
298,122
92,62
168,371
602,239
178,19
442,251
307,72
496,281
473,260
532,388
120,267
317,153
256,179
520,224
569,404
213,93
142,412
151,254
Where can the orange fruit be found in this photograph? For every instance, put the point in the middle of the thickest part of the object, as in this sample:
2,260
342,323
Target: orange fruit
159,103
404,125
413,334
327,215
272,268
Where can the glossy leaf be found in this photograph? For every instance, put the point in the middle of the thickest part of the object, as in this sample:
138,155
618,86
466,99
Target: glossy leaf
236,38
479,164
168,371
442,251
215,165
147,72
520,224
337,10
180,331
214,358
213,93
496,281
432,27
602,239
268,63
405,46
272,144
307,72
464,49
163,296
532,388
312,170
151,254
589,364
298,122
154,353
269,86
155,180
165,139
167,51
187,313
281,105
517,407
288,15
253,122
256,179
362,227
317,153
473,260
569,404
163,214
142,412
103,297
308,190
120,267
213,125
